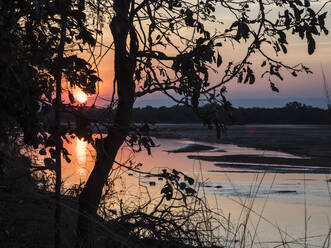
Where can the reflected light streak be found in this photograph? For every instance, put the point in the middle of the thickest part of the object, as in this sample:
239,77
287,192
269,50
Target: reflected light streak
82,171
81,151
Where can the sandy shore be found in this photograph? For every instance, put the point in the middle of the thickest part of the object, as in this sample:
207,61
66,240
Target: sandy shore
313,141
303,140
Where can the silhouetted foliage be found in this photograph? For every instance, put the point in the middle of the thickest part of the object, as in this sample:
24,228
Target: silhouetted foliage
30,38
37,40
159,46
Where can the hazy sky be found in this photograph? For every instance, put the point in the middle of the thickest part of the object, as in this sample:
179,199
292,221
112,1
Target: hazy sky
306,88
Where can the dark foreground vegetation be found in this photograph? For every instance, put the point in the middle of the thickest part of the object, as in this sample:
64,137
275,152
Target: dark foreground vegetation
50,48
27,201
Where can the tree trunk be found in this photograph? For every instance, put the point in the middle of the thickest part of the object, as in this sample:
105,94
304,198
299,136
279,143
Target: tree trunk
58,147
106,152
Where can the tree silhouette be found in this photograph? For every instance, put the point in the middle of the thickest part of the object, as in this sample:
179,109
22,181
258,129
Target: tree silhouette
37,40
167,46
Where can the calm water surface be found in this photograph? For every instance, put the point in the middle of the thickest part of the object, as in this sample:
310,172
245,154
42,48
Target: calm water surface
282,199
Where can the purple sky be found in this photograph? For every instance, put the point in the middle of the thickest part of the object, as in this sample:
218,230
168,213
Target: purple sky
308,89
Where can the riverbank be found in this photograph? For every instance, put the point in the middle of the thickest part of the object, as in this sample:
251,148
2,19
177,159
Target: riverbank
311,142
27,215
301,140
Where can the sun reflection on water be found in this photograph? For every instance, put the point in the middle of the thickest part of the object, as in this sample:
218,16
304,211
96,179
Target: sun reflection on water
81,151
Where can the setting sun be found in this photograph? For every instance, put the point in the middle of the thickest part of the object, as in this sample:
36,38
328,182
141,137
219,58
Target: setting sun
81,97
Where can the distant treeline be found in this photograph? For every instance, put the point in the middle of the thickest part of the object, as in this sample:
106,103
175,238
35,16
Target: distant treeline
292,113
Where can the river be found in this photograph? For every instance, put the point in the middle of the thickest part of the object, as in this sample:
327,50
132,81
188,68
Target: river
293,205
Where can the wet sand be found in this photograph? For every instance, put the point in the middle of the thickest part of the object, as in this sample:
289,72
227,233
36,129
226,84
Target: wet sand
302,140
312,142
311,162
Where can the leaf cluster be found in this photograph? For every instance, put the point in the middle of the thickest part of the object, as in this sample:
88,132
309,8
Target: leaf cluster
30,61
178,182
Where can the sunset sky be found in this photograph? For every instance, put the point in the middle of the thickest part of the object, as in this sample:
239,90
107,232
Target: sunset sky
308,89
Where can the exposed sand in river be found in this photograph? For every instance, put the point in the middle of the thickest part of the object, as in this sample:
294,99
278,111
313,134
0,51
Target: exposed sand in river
312,141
